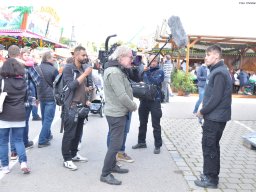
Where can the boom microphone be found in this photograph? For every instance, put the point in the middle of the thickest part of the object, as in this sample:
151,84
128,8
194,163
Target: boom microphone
177,32
106,42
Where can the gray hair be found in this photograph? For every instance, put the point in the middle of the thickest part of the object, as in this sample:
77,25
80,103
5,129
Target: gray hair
120,51
13,51
47,56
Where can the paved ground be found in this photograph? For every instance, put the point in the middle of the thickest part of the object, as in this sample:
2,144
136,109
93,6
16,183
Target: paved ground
174,170
149,172
183,140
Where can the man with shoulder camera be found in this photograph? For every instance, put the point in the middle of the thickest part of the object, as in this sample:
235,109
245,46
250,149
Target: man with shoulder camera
119,102
75,110
152,75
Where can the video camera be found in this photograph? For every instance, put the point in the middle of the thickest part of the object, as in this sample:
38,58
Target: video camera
103,55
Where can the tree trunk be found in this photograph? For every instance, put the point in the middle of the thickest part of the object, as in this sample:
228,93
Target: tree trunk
24,21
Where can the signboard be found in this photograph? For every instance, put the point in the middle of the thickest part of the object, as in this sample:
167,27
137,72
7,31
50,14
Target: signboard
9,19
44,21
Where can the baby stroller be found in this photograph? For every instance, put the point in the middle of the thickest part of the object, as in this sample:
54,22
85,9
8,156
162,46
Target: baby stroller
97,105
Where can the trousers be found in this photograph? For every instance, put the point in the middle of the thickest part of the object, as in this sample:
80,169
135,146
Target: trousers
212,133
153,107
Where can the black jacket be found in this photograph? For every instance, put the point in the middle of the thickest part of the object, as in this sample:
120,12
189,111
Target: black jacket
70,75
48,74
14,104
218,94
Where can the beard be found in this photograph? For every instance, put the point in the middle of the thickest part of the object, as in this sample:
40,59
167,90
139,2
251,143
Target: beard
84,61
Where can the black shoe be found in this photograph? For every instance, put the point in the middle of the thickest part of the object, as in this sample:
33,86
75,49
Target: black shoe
46,144
139,145
29,145
37,119
203,176
110,179
117,169
157,150
206,182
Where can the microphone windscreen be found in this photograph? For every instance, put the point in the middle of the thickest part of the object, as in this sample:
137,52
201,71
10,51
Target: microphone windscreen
178,33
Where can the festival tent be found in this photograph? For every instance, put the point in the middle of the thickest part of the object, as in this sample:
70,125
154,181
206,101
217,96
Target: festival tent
238,52
30,26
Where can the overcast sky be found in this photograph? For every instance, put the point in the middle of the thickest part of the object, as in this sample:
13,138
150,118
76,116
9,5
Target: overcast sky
94,20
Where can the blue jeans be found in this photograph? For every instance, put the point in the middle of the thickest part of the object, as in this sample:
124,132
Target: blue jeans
17,138
165,89
25,132
200,99
126,131
35,112
34,108
48,113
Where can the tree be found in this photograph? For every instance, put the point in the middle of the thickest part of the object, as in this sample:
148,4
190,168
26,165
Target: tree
64,40
24,11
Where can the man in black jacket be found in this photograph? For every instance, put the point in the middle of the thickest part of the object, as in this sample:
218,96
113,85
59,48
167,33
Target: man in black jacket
45,94
75,77
216,111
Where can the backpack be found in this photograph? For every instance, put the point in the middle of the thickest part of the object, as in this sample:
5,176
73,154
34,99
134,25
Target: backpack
59,90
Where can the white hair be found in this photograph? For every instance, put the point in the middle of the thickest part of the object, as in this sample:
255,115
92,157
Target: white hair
120,51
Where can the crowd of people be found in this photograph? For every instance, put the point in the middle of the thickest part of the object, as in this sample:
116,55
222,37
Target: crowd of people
29,82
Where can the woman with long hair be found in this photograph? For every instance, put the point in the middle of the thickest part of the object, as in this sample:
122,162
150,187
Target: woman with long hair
12,118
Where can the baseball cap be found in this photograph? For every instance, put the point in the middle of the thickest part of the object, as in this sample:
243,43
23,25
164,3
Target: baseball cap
1,47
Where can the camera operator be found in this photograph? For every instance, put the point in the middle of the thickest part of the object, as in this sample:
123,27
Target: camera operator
75,111
119,102
152,75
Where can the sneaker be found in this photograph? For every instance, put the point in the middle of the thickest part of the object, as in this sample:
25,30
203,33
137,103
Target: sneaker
206,182
70,165
139,145
29,145
110,179
37,119
14,156
24,168
44,144
124,157
78,157
157,150
5,169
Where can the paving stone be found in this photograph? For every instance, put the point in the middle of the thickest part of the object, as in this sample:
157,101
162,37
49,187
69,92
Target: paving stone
229,190
233,180
214,190
247,186
235,175
237,162
190,177
251,181
232,186
184,168
248,175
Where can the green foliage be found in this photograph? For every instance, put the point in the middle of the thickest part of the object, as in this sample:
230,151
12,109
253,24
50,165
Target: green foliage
21,9
65,40
183,81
